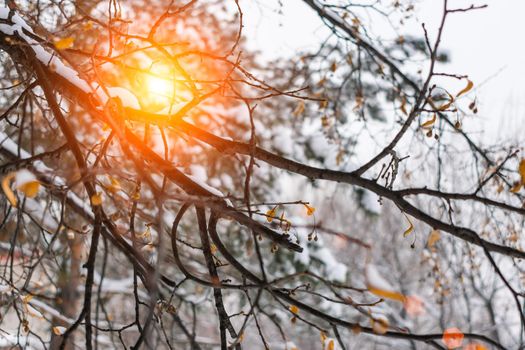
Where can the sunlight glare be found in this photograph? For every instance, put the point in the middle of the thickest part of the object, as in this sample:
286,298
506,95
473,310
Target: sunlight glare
162,88
156,87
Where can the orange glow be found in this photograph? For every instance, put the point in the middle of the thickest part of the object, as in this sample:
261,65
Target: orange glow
414,305
159,87
156,88
453,338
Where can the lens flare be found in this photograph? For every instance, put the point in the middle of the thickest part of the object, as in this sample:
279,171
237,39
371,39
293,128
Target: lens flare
159,88
156,88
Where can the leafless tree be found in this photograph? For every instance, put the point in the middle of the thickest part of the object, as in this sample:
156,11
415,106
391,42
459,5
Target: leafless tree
142,145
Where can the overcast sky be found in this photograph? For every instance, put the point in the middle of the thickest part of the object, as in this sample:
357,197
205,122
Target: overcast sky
487,45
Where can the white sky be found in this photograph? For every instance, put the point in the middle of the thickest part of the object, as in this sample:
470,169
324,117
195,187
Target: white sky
483,44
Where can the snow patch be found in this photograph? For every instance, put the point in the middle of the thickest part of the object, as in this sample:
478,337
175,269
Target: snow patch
335,270
127,98
375,280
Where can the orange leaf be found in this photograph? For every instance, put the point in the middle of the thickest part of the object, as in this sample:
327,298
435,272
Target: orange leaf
475,346
377,285
323,337
429,123
380,325
433,238
448,104
445,106
270,214
452,338
466,89
241,337
356,329
114,184
521,170
294,309
64,43
410,228
516,188
387,294
136,195
27,182
414,305
7,189
96,199
309,210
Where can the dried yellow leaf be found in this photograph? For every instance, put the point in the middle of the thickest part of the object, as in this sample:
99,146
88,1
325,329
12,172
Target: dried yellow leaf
64,43
521,170
25,181
299,109
31,311
380,287
410,228
323,337
429,123
309,210
270,214
359,103
58,330
136,195
96,199
403,105
445,106
516,188
331,345
434,236
7,189
294,309
349,59
380,326
27,299
114,184
30,188
387,294
467,88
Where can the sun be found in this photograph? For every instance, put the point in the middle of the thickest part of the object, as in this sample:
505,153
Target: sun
158,87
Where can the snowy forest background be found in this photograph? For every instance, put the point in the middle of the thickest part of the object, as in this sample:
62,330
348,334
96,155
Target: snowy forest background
167,183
